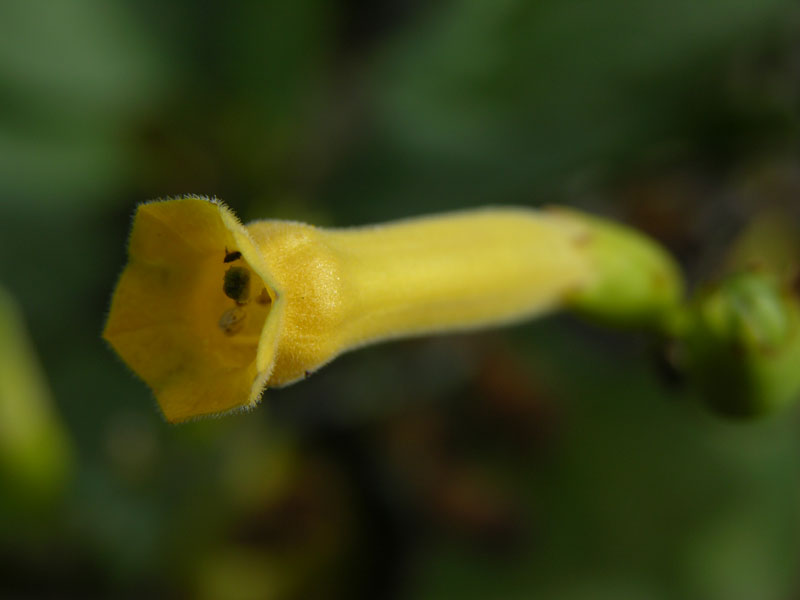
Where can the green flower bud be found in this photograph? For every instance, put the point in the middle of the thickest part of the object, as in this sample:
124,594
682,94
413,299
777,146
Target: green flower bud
741,344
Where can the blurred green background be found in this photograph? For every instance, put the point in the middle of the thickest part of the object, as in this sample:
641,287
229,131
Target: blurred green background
548,460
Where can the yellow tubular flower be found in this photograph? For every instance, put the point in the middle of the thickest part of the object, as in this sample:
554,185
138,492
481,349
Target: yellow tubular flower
210,312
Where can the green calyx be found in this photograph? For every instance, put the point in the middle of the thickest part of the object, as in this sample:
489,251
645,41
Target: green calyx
737,342
637,283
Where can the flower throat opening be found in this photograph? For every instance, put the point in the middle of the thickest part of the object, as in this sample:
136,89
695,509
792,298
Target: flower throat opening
247,299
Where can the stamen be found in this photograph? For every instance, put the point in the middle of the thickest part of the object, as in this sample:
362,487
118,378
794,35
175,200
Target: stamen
231,256
263,297
236,285
232,321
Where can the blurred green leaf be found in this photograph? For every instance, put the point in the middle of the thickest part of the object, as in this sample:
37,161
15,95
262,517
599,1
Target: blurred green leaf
74,77
35,452
498,102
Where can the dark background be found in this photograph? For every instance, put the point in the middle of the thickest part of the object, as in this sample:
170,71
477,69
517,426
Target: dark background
547,460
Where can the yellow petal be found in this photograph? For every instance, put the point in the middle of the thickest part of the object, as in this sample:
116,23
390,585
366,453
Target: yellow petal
166,310
342,289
